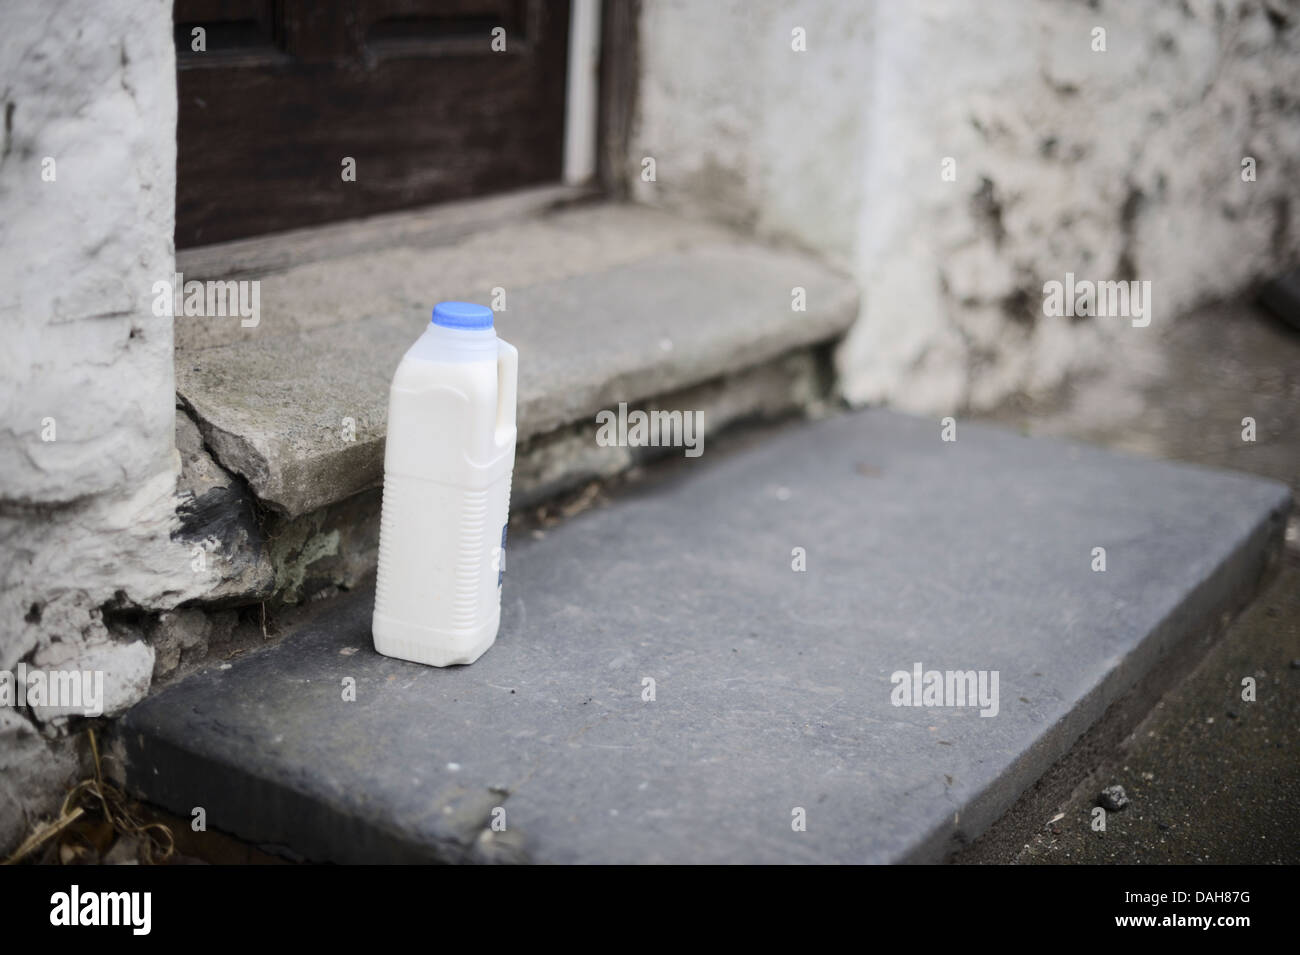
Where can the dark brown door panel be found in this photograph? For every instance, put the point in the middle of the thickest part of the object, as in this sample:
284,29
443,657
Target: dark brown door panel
409,89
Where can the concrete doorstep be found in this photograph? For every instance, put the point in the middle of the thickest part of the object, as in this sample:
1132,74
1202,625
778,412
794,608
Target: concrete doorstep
607,301
283,419
733,664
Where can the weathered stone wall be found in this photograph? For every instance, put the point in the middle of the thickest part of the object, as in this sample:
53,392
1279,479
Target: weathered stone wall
1117,164
87,459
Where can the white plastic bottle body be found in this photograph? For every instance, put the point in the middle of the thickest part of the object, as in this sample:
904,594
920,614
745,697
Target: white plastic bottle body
447,468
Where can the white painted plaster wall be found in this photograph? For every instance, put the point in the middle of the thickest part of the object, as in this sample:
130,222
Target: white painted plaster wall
85,519
1122,163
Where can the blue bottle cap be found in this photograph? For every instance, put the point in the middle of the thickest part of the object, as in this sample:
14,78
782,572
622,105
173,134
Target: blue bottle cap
462,315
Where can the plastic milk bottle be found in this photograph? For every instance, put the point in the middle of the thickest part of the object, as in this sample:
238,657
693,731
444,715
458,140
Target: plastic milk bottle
447,469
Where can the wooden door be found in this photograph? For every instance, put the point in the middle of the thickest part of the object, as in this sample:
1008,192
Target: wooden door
411,91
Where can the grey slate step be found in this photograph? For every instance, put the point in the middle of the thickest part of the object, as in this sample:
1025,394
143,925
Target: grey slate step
772,687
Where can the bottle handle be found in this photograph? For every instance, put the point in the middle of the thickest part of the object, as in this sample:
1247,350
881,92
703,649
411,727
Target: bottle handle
507,390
